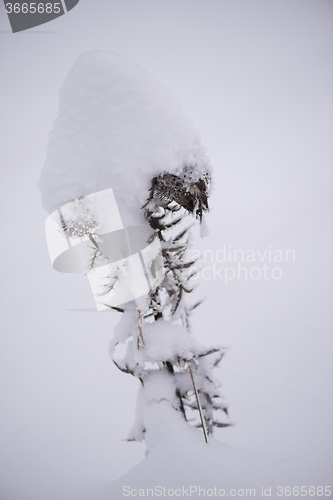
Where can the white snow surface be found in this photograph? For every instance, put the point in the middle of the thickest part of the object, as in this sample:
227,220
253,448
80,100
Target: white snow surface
178,458
116,127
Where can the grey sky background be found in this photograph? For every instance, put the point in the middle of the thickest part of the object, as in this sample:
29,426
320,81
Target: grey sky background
255,77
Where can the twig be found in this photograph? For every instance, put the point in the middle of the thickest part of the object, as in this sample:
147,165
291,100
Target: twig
93,241
198,402
140,327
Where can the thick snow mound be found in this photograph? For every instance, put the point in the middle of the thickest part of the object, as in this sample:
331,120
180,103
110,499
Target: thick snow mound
117,127
179,463
167,341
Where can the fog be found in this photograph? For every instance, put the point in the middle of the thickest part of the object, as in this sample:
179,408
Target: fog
255,77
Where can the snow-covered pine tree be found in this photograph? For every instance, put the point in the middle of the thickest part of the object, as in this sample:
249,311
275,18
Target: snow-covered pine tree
118,127
161,351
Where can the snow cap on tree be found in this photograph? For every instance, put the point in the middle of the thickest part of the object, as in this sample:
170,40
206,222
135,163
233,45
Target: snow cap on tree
116,127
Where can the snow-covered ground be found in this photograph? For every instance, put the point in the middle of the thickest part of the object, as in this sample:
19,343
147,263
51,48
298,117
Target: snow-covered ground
180,463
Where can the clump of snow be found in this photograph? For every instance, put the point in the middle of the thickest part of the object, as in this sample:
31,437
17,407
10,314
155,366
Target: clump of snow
163,341
159,387
167,341
117,127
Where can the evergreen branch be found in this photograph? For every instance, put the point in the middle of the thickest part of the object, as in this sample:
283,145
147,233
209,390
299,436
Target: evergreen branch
221,424
196,305
184,265
211,351
119,309
125,370
180,235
